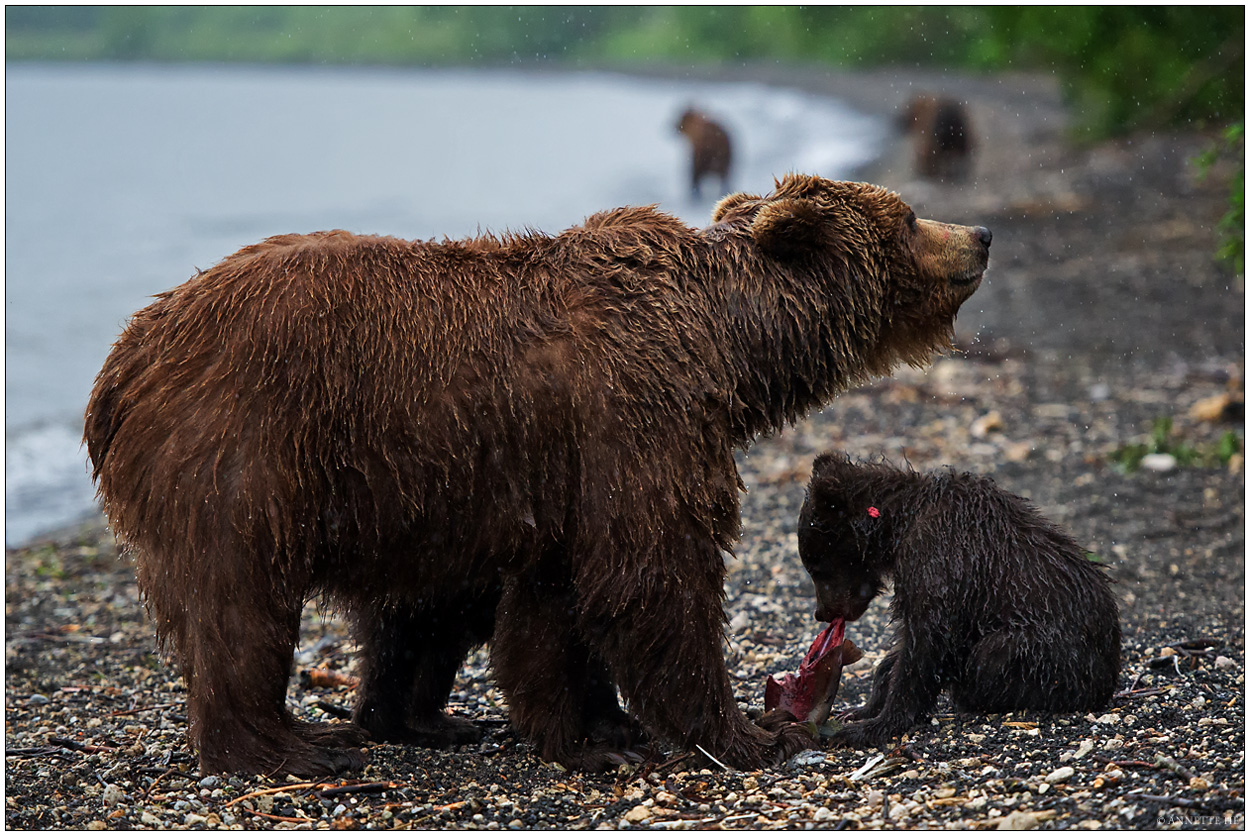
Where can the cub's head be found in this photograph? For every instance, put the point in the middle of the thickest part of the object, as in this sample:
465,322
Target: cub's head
845,533
905,276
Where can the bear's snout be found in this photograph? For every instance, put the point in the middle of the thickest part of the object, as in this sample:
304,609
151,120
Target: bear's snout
954,256
833,601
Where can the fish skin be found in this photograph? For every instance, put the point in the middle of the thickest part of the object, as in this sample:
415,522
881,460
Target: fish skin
809,696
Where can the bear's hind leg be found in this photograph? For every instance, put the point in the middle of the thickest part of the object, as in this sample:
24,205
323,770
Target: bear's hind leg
411,654
1017,671
1002,673
236,663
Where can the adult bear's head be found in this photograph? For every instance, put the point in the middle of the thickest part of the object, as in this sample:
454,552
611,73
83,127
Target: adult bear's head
903,277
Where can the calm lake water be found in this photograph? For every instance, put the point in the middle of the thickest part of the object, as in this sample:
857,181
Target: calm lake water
122,180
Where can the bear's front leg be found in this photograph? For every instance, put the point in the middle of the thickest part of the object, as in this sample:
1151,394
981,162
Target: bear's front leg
880,690
905,688
560,695
657,619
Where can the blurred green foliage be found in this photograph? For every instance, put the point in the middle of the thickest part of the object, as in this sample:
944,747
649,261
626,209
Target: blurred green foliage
1129,458
1232,227
1123,66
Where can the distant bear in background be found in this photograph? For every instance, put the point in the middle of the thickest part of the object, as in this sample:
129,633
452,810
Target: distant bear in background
710,151
991,600
941,135
525,439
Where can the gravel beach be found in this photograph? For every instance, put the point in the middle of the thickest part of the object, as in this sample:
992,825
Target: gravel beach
1100,375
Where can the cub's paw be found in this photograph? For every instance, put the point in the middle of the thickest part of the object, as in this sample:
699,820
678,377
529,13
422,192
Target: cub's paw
866,734
862,712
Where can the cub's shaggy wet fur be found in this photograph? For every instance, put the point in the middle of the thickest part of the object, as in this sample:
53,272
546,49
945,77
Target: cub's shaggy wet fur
991,601
527,440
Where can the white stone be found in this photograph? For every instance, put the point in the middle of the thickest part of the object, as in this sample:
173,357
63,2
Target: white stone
1060,775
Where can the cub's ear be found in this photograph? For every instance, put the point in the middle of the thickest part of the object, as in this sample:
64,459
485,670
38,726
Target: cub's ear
829,471
789,227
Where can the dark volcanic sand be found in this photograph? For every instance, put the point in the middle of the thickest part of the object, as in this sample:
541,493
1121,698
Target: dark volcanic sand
1104,310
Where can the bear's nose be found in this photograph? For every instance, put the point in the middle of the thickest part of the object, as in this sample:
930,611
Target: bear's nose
984,235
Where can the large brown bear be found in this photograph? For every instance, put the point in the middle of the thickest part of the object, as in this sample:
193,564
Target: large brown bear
991,601
711,152
527,439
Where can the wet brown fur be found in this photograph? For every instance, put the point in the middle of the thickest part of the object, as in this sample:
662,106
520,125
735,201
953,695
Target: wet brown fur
526,439
711,152
941,135
991,600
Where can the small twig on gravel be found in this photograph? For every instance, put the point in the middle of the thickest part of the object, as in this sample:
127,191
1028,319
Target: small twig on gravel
739,817
272,791
34,752
61,637
148,792
863,770
712,759
127,712
295,819
1103,759
364,789
79,746
1164,762
1138,693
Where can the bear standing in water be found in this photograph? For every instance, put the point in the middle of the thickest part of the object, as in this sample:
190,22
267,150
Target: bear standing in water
528,440
990,600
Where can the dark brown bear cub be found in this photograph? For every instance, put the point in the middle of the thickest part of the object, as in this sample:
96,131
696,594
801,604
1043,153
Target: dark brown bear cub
527,440
991,601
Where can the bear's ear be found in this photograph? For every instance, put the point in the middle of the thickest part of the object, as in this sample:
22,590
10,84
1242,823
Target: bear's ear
731,202
789,227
